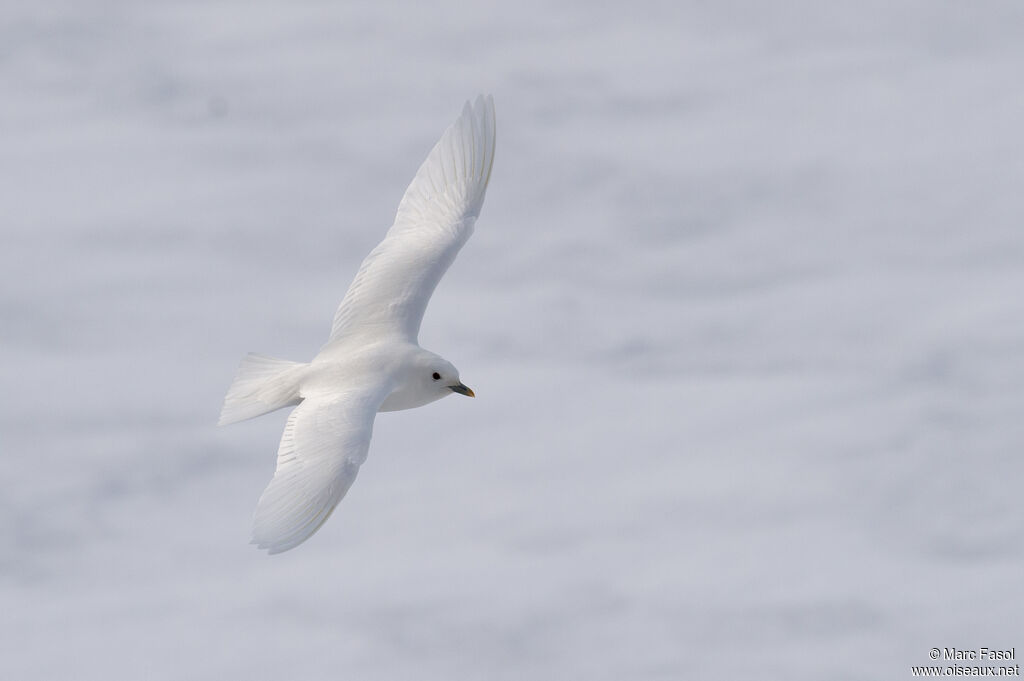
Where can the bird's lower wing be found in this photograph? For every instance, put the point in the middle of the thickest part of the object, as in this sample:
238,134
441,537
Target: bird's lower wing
323,445
435,218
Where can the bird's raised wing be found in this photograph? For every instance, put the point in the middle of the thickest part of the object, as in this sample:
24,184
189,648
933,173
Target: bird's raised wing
435,218
323,445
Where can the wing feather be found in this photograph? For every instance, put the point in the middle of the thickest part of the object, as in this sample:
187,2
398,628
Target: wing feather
324,443
435,218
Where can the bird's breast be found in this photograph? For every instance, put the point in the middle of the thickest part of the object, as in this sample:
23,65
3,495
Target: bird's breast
408,398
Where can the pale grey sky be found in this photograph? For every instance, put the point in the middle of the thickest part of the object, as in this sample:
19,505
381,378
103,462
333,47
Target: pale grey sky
742,313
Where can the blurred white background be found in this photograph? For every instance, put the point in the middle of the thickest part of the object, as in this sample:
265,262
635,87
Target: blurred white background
743,313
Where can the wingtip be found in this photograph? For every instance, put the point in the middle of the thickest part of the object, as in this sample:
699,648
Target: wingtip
269,549
479,104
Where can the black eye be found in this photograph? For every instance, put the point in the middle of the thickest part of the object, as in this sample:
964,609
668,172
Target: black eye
437,376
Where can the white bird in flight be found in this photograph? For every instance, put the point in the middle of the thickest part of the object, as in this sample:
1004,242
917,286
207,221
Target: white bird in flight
372,361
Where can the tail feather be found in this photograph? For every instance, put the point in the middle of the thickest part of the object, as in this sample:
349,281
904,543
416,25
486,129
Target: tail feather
262,384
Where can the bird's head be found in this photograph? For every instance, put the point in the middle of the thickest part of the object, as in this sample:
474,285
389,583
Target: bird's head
424,378
442,377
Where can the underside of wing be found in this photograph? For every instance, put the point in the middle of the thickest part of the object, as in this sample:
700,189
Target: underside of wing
324,443
450,185
435,218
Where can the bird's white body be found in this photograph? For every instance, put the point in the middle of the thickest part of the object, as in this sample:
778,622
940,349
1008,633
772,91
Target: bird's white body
406,368
372,361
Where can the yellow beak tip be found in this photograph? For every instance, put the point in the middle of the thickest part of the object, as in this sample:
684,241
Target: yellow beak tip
462,389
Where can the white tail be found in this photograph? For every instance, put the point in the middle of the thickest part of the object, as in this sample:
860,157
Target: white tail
262,384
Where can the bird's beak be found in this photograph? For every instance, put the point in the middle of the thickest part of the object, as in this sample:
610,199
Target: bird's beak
462,390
